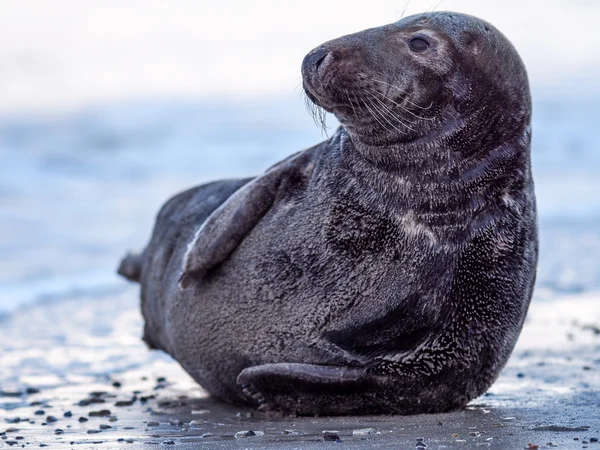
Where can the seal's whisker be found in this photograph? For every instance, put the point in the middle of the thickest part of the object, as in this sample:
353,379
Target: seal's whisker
403,108
404,92
389,112
382,113
350,101
317,113
373,115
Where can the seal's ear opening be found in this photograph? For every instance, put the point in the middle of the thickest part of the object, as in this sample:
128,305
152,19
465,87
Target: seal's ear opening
469,40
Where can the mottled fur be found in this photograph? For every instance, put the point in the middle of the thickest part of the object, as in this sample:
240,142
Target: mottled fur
386,270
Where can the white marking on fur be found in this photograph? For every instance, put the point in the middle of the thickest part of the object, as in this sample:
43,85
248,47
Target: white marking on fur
413,227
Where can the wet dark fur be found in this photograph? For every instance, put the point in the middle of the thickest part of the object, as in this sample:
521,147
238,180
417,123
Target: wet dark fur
386,270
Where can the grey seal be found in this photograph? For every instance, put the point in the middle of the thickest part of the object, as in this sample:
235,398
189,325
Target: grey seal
387,269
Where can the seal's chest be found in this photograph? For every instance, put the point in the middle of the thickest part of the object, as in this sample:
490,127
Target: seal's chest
353,229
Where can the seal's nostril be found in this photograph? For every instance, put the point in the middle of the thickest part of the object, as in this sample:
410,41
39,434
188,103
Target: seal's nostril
315,58
320,60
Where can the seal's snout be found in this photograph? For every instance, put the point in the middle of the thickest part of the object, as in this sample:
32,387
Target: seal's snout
314,65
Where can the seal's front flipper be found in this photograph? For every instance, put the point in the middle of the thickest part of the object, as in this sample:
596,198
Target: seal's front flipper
227,226
308,389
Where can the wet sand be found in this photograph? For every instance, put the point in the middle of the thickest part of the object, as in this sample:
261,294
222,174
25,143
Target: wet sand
76,375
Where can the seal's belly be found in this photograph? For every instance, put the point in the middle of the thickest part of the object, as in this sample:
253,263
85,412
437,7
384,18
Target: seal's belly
303,272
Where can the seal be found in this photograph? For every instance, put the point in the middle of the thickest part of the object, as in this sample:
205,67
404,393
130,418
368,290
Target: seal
387,269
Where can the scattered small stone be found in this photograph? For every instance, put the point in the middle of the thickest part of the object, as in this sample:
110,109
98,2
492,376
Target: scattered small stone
594,439
244,434
19,438
122,403
43,445
32,390
12,430
576,439
129,428
551,444
10,393
145,398
13,420
101,413
363,431
117,384
520,375
51,419
68,414
293,432
205,435
153,424
441,424
330,435
121,440
83,419
420,445
59,431
161,379
40,412
169,442
104,427
129,441
474,433
94,431
561,428
531,446
112,419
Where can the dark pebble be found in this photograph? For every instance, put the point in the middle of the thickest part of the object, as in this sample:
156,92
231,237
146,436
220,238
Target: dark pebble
520,375
51,419
101,413
593,439
169,442
161,379
19,438
129,441
83,419
331,436
105,427
13,420
68,414
40,412
58,431
153,424
94,431
117,384
31,390
121,403
120,440
12,430
43,445
10,394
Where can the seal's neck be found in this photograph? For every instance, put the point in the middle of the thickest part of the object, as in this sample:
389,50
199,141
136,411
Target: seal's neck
431,178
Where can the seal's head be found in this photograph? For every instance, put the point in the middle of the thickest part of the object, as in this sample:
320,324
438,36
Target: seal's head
424,77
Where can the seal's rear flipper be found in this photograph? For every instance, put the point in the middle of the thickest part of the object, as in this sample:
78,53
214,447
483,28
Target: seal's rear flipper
308,389
131,267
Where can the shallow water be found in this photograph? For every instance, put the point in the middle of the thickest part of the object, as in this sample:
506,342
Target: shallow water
77,190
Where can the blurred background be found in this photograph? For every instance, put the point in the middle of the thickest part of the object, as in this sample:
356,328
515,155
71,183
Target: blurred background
109,107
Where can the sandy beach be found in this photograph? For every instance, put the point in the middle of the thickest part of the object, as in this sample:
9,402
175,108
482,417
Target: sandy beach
75,374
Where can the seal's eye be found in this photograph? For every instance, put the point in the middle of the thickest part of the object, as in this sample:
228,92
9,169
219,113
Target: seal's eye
418,44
